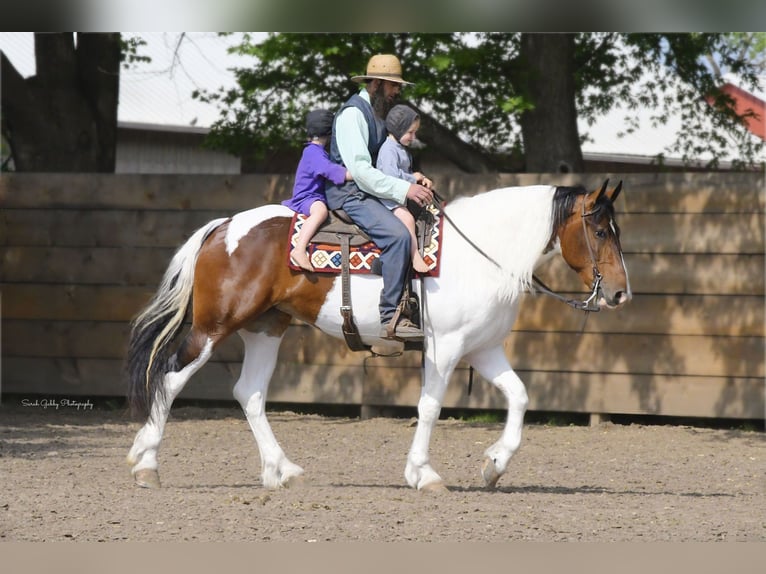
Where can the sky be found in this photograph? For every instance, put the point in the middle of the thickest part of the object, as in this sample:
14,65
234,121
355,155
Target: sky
160,92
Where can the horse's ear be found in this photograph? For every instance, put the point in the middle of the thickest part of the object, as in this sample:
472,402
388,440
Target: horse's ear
601,191
594,196
612,195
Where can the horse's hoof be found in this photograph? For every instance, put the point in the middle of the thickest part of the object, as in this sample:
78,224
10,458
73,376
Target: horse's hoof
489,473
434,487
147,478
294,481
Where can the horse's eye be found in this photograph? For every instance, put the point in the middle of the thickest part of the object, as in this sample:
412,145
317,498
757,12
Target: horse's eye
601,233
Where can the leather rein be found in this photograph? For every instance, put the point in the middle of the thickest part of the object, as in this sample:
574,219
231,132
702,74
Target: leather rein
588,305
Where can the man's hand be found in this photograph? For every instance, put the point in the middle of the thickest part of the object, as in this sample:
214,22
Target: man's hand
420,195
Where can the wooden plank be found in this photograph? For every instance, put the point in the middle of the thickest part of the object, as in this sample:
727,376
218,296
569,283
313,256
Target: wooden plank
641,232
730,233
230,193
658,354
700,274
692,192
215,381
648,394
644,192
654,232
71,302
85,266
101,227
651,314
65,339
556,351
682,274
658,315
728,397
725,320
669,274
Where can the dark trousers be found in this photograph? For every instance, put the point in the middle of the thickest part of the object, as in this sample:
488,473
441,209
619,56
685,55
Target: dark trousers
392,238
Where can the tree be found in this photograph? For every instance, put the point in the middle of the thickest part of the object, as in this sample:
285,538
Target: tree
549,126
485,92
64,118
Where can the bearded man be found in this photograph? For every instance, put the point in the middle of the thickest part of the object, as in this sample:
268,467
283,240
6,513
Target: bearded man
358,132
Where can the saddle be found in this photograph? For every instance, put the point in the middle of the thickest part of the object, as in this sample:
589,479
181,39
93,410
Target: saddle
340,230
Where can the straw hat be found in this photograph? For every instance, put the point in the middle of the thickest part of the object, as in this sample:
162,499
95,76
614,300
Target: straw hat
383,67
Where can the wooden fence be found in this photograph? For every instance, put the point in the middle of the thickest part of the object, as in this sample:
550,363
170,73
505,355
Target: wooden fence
82,253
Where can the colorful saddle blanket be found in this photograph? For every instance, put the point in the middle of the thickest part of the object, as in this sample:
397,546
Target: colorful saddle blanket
326,257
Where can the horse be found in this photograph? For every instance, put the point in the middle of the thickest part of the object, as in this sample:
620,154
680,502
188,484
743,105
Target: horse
234,274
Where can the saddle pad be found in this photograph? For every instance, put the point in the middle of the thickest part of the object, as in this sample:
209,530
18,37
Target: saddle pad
326,258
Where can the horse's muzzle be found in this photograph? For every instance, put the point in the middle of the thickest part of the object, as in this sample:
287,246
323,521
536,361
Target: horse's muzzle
614,300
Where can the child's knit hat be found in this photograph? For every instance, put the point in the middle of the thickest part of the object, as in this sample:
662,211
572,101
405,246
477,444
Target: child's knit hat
399,120
319,123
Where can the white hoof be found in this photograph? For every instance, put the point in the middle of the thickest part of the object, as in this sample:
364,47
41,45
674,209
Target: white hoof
489,473
434,487
147,478
294,481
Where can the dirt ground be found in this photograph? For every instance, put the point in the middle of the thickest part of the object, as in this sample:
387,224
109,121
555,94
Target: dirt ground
65,478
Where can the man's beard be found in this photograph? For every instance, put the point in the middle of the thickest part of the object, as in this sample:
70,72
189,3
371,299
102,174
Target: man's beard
379,103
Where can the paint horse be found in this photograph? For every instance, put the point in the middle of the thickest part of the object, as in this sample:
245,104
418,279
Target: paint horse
234,274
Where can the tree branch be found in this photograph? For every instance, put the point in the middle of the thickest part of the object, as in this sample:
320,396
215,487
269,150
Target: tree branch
464,155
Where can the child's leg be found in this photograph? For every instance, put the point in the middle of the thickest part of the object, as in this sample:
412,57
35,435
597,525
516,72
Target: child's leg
317,215
404,215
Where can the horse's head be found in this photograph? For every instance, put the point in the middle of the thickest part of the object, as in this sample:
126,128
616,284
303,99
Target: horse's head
590,244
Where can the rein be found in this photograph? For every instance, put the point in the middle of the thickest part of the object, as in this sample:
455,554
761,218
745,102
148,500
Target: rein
587,305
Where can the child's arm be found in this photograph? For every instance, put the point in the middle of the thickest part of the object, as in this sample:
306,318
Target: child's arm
335,172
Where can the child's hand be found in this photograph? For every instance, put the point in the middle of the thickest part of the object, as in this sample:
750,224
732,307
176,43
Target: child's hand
349,177
423,180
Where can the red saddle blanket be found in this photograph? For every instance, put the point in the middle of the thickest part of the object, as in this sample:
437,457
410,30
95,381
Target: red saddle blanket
326,258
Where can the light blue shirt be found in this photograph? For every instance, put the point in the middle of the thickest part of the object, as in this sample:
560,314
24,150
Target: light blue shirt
394,159
352,134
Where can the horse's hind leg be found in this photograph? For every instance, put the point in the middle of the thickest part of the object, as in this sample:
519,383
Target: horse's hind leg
143,454
261,349
492,364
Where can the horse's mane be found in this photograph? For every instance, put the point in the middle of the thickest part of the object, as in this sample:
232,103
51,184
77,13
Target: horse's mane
514,226
563,202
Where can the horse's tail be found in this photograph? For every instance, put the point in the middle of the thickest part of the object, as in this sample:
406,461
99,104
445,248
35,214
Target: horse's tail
157,326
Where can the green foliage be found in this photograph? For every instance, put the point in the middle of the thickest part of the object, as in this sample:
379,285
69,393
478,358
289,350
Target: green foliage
471,84
129,51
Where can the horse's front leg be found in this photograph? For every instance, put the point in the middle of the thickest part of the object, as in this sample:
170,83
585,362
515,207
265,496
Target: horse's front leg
418,471
493,366
260,358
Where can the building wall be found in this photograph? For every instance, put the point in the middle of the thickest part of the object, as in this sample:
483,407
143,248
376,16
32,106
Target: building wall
81,254
148,150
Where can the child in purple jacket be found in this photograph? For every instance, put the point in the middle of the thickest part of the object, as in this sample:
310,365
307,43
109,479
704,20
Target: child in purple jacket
308,192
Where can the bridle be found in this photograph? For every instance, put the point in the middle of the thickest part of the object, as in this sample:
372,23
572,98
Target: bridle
588,305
